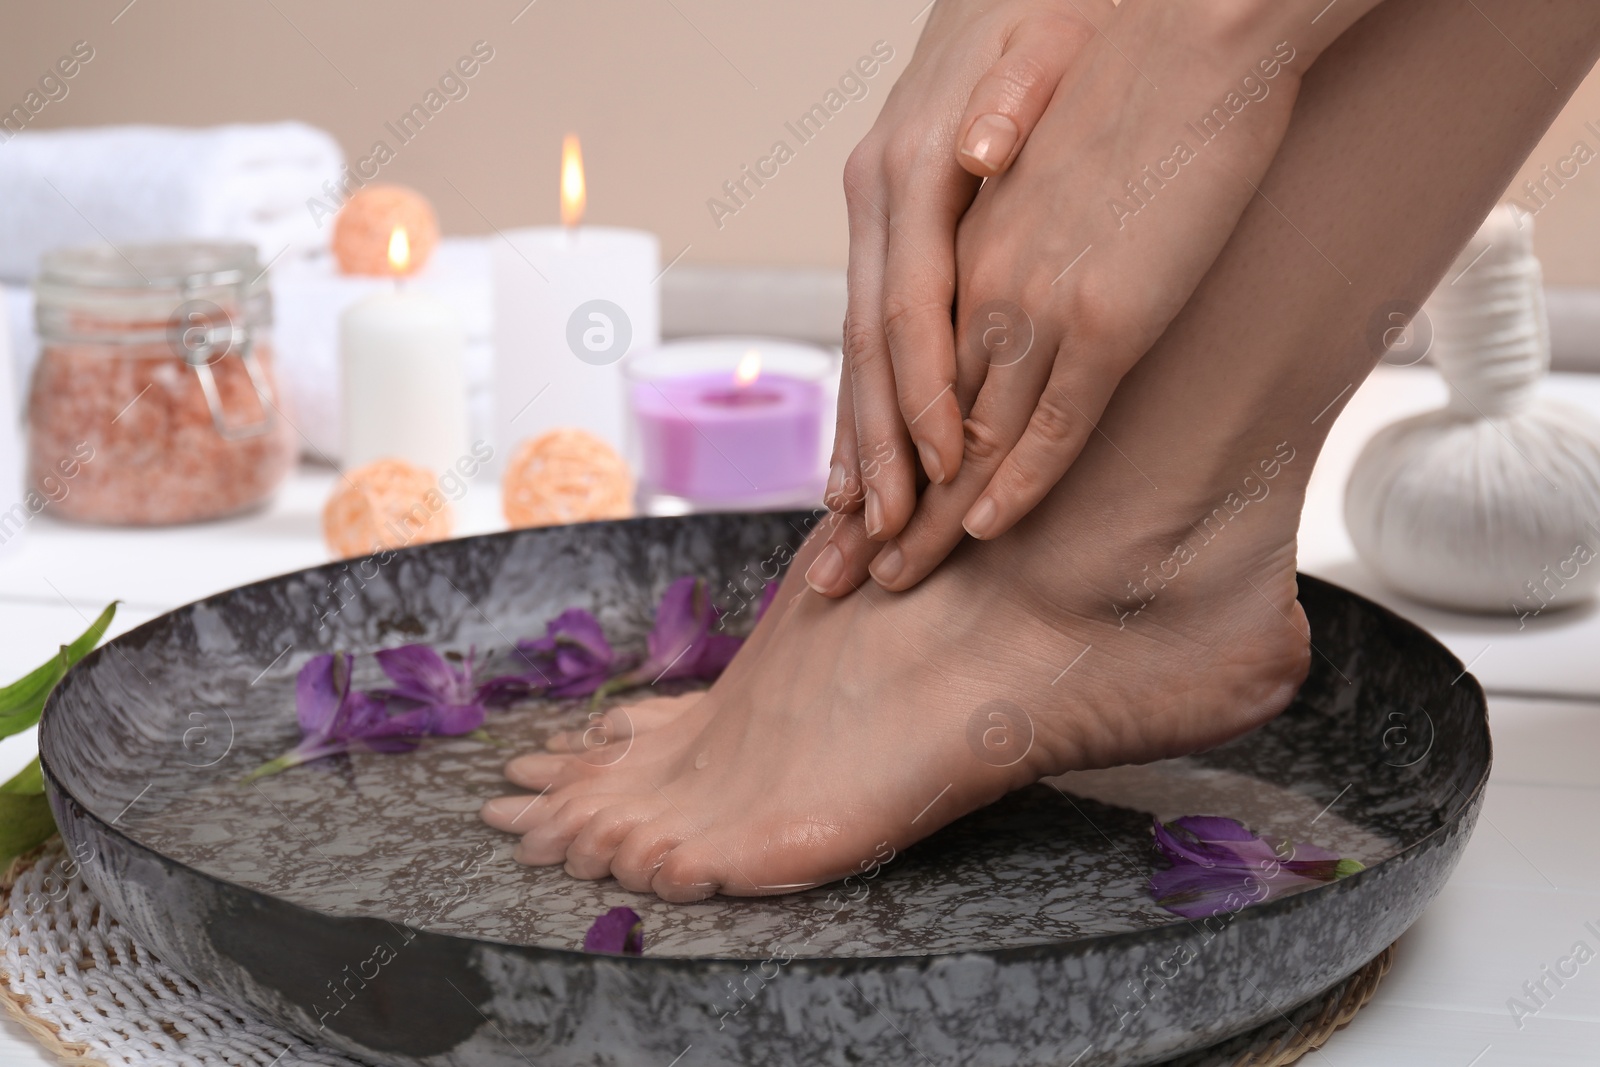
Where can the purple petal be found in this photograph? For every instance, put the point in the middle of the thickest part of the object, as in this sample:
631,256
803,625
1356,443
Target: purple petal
1212,841
1198,892
364,715
682,617
317,694
572,659
506,690
453,720
577,627
421,674
619,932
383,732
1218,865
579,686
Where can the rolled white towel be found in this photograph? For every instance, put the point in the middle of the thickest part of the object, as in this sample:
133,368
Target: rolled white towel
160,183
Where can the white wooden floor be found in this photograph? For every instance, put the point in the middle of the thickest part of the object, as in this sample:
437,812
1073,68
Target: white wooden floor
1519,903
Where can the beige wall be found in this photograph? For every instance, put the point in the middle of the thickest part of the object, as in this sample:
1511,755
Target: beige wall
671,97
668,105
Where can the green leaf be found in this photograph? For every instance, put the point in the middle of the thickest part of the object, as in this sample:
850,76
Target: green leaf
1345,868
28,782
25,823
25,819
22,701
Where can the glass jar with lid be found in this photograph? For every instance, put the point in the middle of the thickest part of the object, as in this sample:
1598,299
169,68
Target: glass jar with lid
153,400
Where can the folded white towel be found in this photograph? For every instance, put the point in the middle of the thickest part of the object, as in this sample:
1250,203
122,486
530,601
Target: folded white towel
159,183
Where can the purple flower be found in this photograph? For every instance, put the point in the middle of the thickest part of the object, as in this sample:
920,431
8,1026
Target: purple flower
681,644
619,932
573,657
334,718
440,698
1217,865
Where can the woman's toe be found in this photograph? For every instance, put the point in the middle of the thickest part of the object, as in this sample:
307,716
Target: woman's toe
595,847
687,874
546,844
514,815
538,770
639,857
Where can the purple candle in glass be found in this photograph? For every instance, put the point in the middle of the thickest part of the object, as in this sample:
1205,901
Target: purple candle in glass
710,435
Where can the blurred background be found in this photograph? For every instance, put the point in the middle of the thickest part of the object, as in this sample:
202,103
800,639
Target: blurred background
671,98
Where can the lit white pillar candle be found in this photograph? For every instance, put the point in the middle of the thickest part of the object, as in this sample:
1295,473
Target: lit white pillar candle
405,391
569,302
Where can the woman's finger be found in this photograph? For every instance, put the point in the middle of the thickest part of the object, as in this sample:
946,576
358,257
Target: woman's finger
841,566
883,446
1060,426
1006,104
928,193
999,417
843,493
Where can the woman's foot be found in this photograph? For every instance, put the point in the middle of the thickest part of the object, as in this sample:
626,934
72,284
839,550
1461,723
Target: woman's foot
1086,638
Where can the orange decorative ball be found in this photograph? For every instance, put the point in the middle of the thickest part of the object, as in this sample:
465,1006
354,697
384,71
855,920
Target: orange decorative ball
566,476
386,504
364,226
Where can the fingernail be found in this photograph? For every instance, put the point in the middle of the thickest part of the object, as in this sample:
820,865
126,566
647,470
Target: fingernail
931,463
890,562
990,140
826,570
980,520
874,514
830,495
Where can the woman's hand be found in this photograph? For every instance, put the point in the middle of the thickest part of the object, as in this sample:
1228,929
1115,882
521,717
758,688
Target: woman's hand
1072,264
981,76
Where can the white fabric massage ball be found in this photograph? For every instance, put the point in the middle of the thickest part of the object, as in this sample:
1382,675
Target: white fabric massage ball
1491,503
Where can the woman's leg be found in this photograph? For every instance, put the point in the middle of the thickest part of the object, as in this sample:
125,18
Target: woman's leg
1147,608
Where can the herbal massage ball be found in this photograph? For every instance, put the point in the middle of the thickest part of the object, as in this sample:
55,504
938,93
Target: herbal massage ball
386,504
363,227
563,476
1491,503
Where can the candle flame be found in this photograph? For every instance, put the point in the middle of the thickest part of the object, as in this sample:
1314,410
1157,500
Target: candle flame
573,195
748,370
399,250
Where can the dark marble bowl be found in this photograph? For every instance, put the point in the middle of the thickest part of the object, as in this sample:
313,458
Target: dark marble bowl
359,901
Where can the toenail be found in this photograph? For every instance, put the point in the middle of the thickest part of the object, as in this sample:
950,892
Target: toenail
510,809
826,570
874,514
931,463
980,520
890,562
